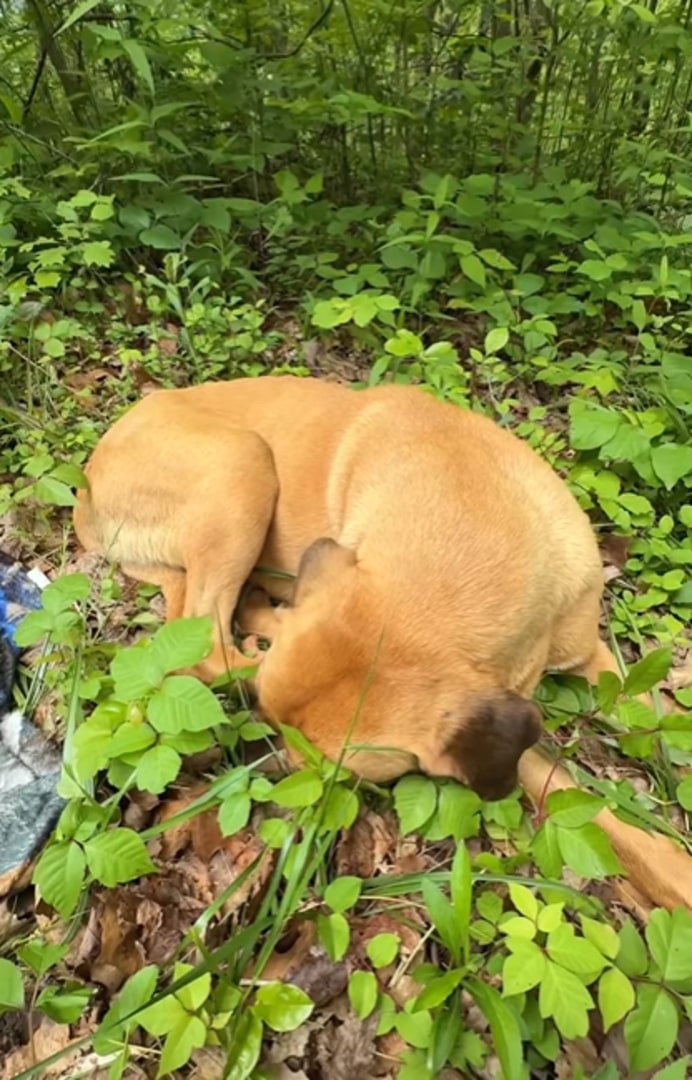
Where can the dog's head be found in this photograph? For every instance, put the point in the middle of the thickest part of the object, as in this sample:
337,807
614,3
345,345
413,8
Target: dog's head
336,672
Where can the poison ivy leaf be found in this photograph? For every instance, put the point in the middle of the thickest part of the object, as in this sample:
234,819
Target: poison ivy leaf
244,1051
523,968
601,935
588,852
679,1070
649,671
457,811
564,997
652,1028
670,940
157,768
135,672
234,812
182,643
187,1034
575,954
545,847
524,900
184,704
573,808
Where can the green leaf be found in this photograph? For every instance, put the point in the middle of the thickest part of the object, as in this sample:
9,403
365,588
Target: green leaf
244,1051
601,935
382,949
495,340
282,1006
234,812
415,799
474,270
684,793
40,956
65,1007
334,934
157,768
137,991
632,958
588,852
524,900
135,672
140,63
504,1028
343,893
184,704
59,875
303,788
571,808
462,896
53,492
649,671
669,936
564,997
457,811
182,643
523,968
438,990
651,1029
545,848
679,1070
575,954
130,738
274,832
362,993
591,426
671,463
97,253
615,997
77,13
339,809
160,237
116,856
188,1033
11,986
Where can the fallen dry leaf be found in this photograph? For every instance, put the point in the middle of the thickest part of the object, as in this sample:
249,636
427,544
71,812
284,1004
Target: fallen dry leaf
48,1038
367,847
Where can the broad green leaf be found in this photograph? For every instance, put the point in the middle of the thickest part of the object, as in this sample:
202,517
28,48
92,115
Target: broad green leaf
130,738
474,270
184,704
334,935
415,799
11,986
137,991
495,340
591,426
679,1070
362,993
457,811
244,1052
601,935
303,788
159,1018
282,1006
671,463
652,1028
631,958
64,1006
523,968
545,847
339,809
140,61
504,1028
343,893
649,671
575,954
160,237
564,997
59,875
572,808
414,1027
382,949
157,768
78,12
182,643
670,940
135,672
588,852
438,990
234,812
684,793
189,1033
615,996
550,917
524,900
116,856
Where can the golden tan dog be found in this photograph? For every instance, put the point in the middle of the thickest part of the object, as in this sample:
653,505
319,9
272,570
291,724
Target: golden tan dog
441,565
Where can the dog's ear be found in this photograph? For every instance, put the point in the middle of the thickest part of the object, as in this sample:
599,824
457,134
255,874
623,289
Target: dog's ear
324,556
486,750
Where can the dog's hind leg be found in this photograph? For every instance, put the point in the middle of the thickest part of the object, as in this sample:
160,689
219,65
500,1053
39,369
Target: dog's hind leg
225,529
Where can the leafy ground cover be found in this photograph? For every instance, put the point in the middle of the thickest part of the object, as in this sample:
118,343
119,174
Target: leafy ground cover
491,199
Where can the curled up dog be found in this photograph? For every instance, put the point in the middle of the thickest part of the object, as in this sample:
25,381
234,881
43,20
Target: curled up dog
441,565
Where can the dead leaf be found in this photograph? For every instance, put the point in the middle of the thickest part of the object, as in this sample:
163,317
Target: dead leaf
48,1038
364,849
